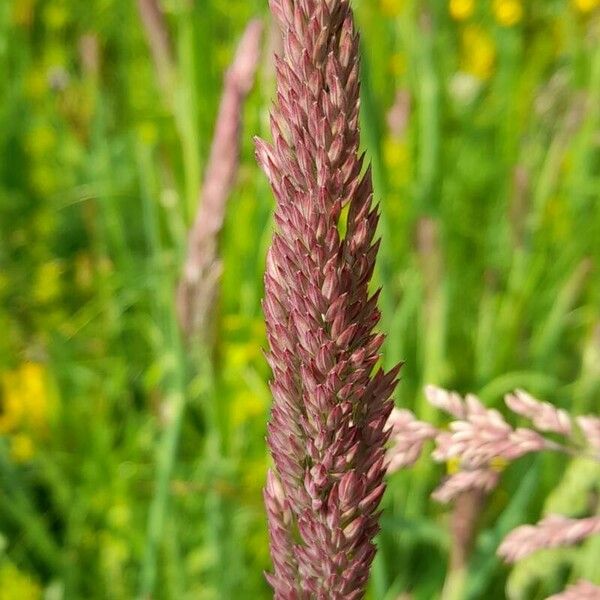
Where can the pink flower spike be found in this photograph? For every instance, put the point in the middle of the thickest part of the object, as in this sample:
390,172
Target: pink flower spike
582,590
551,532
327,433
590,426
543,415
408,435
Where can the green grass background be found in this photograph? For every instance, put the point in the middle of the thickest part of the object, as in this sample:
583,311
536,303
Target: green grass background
490,194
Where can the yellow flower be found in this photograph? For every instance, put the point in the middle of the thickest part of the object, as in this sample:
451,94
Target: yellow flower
507,12
461,9
56,15
43,179
478,52
25,398
36,84
453,465
147,133
586,6
11,408
391,8
55,55
17,585
246,406
395,152
21,448
497,464
398,63
47,282
40,141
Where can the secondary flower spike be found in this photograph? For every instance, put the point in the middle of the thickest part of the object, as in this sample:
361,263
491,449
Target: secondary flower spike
327,430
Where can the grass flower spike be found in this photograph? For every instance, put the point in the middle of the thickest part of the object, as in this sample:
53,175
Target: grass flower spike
328,424
553,531
582,590
198,286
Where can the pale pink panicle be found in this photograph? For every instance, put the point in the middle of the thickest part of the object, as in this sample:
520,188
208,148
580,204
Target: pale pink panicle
590,426
483,479
481,435
449,402
543,415
197,289
327,432
582,590
552,531
157,34
408,435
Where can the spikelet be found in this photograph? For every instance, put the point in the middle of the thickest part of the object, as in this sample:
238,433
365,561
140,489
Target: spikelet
483,479
481,435
543,415
327,431
582,590
590,426
553,531
408,435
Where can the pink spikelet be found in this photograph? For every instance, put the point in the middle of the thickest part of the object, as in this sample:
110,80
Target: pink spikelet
483,479
553,531
449,402
590,426
408,436
327,432
582,590
543,415
481,435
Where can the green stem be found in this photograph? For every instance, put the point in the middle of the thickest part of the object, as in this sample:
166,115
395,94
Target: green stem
175,394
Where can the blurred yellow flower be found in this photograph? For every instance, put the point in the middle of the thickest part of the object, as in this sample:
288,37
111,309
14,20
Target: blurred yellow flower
11,409
25,398
56,15
478,53
246,406
253,476
498,464
391,8
461,9
36,84
21,448
17,585
55,55
40,140
586,6
453,466
147,132
43,179
398,63
395,153
47,282
507,12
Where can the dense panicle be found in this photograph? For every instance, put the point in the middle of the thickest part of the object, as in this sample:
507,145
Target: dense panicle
327,430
